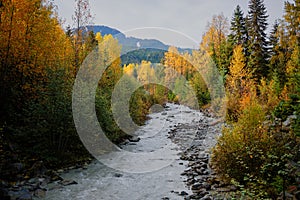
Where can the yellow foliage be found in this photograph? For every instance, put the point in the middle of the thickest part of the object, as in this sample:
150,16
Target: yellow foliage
239,85
129,69
31,41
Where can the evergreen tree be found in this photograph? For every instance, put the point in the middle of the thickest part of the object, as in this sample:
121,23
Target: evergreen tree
257,25
238,29
278,52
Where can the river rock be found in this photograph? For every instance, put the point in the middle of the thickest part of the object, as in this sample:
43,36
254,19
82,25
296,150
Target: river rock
40,193
183,193
23,194
67,182
206,197
134,139
197,186
118,175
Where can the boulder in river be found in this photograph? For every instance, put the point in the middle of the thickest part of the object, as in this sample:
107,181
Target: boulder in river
134,139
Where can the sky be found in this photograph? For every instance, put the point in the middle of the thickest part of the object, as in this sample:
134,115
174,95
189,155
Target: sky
175,22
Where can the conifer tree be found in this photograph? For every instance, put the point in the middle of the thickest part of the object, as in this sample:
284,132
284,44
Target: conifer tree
258,44
238,29
278,52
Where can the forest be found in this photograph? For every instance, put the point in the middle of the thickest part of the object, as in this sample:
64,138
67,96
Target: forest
258,150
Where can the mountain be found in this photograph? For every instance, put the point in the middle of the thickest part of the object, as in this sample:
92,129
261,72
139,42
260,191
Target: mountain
135,49
128,42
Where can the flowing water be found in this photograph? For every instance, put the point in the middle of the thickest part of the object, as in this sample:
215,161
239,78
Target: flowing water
159,179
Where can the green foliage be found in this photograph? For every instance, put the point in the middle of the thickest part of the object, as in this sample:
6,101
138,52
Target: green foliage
256,153
48,122
257,25
140,104
137,56
200,89
238,29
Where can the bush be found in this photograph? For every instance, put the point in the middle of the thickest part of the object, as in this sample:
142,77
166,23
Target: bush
256,153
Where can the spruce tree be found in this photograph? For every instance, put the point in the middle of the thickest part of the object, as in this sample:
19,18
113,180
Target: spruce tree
238,30
278,52
258,44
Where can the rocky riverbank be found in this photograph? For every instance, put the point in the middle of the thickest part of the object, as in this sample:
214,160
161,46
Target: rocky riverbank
38,183
189,176
200,178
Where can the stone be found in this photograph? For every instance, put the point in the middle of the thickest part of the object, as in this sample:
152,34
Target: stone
206,197
54,186
67,182
206,185
40,193
118,175
134,139
196,186
56,178
20,195
183,193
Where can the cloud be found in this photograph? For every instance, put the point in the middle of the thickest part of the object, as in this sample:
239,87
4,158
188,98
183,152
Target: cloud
187,16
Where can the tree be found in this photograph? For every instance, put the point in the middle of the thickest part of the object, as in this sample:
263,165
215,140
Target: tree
238,83
82,17
214,40
293,70
258,45
238,34
278,52
292,17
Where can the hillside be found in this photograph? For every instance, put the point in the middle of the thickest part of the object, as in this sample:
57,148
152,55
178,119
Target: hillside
135,49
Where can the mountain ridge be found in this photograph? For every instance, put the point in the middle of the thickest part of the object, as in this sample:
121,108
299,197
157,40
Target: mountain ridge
132,42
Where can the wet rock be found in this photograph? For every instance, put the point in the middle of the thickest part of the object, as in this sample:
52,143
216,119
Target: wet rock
183,193
56,177
67,182
40,193
197,186
54,186
118,175
134,139
20,195
206,185
207,197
